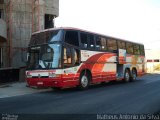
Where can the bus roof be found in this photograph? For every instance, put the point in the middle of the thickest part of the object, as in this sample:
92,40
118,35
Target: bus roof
72,28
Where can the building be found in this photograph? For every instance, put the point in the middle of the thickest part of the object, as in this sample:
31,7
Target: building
152,61
18,19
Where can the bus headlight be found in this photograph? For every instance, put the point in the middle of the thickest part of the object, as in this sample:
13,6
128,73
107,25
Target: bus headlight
28,75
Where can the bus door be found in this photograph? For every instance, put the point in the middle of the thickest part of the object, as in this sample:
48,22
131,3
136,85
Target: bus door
70,65
122,56
121,62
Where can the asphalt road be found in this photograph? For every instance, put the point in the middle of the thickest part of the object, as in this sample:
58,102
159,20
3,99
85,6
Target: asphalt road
139,97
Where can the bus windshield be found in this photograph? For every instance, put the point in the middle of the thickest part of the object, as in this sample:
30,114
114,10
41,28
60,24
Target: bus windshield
46,37
46,56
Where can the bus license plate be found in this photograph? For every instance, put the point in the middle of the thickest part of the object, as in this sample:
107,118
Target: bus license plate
39,83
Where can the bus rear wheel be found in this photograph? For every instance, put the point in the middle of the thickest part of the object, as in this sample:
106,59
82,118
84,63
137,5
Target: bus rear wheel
127,76
84,80
134,75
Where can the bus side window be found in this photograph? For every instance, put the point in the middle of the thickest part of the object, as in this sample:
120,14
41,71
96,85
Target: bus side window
76,56
121,45
67,56
98,43
103,43
136,49
129,48
71,37
112,44
71,56
142,50
84,41
91,43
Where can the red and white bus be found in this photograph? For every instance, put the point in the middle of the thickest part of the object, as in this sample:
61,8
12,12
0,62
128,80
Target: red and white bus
70,57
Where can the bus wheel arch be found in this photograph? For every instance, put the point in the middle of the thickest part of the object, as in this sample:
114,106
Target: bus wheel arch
134,74
85,79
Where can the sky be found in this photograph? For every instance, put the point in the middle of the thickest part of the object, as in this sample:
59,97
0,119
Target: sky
134,20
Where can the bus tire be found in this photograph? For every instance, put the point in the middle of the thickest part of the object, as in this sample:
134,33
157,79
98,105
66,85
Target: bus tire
134,74
84,80
127,76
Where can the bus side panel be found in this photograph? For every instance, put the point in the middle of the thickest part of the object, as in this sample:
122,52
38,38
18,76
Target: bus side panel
135,61
102,65
109,72
70,80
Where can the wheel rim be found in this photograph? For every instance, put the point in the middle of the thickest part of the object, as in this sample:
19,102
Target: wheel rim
84,81
127,76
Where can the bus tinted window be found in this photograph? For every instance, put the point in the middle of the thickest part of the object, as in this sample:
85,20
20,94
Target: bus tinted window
142,50
91,43
129,48
104,43
111,44
67,57
83,38
136,49
45,37
101,43
121,45
71,37
71,57
98,43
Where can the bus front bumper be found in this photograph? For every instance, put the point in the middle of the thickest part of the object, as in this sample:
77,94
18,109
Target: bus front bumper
44,82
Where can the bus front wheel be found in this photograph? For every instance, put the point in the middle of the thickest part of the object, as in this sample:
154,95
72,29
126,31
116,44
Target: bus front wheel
84,80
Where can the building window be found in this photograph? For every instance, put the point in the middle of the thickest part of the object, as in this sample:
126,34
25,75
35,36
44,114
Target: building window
49,21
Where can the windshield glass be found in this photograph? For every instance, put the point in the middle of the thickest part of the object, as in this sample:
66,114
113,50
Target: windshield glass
44,57
45,37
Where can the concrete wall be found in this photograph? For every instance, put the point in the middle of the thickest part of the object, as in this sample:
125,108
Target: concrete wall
41,8
52,7
21,29
24,17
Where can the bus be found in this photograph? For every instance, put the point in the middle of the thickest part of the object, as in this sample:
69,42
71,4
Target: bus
70,57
